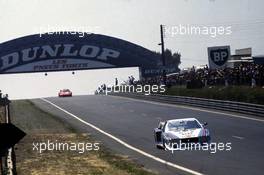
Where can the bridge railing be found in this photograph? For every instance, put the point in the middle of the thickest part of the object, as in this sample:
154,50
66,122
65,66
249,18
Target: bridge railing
231,106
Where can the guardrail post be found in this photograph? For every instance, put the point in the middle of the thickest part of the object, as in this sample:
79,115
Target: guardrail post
10,157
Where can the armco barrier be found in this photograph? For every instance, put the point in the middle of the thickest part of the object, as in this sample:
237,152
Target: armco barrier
244,108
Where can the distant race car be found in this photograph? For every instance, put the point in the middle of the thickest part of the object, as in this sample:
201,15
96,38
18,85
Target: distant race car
187,130
65,93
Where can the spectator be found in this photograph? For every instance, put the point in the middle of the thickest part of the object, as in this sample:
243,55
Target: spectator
116,81
245,74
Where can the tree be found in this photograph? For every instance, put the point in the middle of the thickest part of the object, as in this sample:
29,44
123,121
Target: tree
172,59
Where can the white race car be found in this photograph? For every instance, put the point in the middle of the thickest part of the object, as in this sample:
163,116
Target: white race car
187,130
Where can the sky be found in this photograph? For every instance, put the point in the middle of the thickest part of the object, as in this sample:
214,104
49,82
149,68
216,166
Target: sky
38,85
138,21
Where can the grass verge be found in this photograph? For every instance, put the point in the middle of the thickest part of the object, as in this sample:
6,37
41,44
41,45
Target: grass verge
232,93
41,126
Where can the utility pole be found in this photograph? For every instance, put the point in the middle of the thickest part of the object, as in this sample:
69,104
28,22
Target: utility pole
163,54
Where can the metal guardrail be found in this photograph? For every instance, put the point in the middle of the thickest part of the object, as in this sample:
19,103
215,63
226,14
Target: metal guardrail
231,106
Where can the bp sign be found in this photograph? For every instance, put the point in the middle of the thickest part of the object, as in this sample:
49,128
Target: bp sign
218,56
70,52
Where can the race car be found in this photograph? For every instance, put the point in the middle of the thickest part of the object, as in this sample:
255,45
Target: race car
173,132
65,93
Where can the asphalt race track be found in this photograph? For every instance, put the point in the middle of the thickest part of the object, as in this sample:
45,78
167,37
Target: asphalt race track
133,122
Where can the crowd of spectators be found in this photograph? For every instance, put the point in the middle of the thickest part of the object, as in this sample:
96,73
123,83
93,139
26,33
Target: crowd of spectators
244,74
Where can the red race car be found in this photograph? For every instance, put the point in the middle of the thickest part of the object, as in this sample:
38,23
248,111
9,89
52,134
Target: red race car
65,93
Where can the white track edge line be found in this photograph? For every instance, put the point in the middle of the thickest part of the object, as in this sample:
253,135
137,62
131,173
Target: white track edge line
124,143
